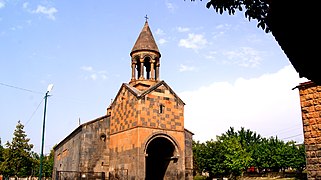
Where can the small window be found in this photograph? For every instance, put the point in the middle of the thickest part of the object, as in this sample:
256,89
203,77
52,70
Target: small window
103,137
161,108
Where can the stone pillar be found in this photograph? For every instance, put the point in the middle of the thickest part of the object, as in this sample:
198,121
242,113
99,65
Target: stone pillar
141,69
152,70
310,98
133,71
157,72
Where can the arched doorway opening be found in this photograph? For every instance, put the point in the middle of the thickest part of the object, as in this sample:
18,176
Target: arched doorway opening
159,153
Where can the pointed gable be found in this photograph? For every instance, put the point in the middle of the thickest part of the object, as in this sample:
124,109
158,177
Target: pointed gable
162,88
157,88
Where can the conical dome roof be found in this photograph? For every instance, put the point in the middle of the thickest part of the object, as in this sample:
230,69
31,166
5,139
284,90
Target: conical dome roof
145,41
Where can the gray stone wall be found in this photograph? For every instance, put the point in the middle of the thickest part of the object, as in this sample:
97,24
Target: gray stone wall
94,153
188,155
85,149
66,156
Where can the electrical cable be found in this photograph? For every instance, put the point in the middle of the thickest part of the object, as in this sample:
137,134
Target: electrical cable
16,87
293,136
34,112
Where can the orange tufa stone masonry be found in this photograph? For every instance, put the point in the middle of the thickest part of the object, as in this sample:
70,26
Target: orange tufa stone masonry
142,136
310,98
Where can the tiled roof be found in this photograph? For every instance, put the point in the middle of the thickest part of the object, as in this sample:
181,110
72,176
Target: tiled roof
145,41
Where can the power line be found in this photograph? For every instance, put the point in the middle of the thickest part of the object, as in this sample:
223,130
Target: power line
34,112
293,136
20,88
286,130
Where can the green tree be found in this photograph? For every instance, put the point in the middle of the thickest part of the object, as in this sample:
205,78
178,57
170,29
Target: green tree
35,164
48,164
260,155
17,160
235,151
300,158
236,157
294,156
1,152
48,161
209,158
1,156
248,139
276,152
254,9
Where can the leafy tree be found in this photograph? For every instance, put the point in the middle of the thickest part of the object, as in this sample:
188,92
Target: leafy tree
197,157
17,158
209,158
215,159
236,156
1,152
48,161
35,164
248,139
260,155
300,158
294,156
254,9
276,152
235,151
48,164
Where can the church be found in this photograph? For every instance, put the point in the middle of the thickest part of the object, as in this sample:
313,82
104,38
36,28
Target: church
142,134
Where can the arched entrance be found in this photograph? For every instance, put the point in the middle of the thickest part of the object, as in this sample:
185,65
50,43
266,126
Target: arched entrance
159,153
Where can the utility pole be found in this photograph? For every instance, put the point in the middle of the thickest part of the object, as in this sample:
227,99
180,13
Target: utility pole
50,86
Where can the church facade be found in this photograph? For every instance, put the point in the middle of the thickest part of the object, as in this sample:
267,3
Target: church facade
142,135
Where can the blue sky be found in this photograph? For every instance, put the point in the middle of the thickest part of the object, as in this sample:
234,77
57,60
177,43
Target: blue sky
226,70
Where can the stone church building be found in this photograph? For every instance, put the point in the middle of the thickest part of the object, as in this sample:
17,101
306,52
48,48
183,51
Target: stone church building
142,134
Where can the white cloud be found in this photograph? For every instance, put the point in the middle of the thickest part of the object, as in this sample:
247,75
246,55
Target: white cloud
2,4
159,32
211,55
194,41
183,29
244,56
170,6
183,68
221,30
25,5
223,27
19,27
266,105
49,12
102,74
87,68
162,41
93,74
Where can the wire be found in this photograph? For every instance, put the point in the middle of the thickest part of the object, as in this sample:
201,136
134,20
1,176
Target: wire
34,112
293,136
23,89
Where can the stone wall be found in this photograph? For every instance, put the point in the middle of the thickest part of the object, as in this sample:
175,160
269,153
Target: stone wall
66,155
310,97
160,108
188,155
85,149
94,155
